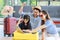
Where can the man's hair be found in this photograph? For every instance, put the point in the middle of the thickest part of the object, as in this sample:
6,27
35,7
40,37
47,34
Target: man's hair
37,9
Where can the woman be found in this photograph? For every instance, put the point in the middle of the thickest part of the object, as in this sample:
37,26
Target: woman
25,25
50,27
7,10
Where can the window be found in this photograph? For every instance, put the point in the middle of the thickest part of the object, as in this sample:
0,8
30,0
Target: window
42,3
55,3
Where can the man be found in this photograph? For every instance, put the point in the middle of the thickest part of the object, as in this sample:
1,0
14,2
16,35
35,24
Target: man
35,19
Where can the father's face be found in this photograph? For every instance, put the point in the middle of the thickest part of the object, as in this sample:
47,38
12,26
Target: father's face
36,12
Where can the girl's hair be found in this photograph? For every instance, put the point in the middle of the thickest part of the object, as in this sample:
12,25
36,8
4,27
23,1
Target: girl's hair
27,17
45,13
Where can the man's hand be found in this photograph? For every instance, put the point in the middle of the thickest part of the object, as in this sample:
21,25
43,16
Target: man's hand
24,4
21,9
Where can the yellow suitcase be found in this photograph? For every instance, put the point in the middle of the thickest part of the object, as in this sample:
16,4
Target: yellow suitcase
25,36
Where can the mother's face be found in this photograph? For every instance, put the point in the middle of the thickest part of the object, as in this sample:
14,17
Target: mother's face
43,16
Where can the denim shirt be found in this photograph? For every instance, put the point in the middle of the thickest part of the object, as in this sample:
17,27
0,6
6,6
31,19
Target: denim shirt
35,22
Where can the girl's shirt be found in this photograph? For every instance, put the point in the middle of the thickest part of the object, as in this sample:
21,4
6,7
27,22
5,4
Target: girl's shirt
25,27
50,27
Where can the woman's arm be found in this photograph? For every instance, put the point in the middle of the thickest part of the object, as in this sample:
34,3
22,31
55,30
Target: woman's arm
43,33
42,27
38,28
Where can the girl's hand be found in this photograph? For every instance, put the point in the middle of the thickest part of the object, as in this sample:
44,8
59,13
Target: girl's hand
27,31
21,19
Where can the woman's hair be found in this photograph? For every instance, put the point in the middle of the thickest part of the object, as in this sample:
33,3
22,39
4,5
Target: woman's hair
27,17
45,13
42,21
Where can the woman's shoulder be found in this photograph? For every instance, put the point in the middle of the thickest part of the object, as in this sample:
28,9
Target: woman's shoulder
49,21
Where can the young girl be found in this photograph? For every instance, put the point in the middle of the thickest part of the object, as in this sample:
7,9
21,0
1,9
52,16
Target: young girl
25,25
50,27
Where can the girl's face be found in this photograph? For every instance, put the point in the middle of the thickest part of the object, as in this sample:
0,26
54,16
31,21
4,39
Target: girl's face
26,20
42,15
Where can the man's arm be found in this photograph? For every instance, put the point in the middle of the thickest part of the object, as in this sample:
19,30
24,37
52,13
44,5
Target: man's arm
21,9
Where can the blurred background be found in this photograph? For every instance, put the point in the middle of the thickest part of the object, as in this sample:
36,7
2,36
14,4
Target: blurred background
51,6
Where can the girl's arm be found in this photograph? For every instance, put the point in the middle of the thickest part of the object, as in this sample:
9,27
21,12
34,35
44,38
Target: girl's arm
42,27
29,28
17,26
19,21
